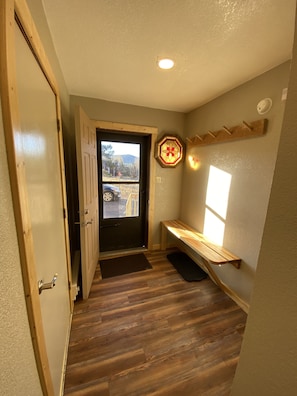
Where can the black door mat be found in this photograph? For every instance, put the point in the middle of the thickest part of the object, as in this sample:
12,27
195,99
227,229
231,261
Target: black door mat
123,265
186,267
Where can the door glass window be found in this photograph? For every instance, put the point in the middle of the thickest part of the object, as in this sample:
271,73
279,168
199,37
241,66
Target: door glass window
120,179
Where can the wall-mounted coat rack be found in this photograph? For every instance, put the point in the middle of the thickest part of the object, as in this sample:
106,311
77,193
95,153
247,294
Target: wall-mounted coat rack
242,131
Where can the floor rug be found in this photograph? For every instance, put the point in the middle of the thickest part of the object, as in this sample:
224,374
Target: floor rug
123,265
186,267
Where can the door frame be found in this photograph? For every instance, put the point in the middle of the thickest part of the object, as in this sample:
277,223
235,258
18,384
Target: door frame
86,152
124,233
140,130
8,11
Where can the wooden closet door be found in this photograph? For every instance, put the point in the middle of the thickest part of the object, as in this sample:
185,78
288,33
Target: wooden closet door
37,145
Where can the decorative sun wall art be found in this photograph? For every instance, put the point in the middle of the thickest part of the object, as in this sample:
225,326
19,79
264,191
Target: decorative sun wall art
169,151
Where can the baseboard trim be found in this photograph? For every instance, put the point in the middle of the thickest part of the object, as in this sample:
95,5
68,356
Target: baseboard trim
157,246
235,297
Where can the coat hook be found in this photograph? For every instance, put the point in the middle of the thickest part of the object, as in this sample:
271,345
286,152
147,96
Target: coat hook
211,134
199,137
227,130
247,125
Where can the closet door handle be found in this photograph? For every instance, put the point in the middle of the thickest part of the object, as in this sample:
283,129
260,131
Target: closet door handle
46,286
84,224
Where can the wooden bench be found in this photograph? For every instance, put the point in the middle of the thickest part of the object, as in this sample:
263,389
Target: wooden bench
197,242
204,253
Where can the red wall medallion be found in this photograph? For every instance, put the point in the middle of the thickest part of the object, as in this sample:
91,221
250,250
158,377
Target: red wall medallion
169,151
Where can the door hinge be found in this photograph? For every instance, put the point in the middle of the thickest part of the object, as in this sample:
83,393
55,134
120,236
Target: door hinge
58,125
64,213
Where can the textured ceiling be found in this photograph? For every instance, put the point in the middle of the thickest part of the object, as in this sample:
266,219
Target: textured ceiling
108,49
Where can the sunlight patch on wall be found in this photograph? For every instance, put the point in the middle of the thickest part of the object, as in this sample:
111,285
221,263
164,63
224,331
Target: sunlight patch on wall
217,198
214,227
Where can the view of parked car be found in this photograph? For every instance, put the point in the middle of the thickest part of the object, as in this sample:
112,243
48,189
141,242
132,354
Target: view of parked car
111,193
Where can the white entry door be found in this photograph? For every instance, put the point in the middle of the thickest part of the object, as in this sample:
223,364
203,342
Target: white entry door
37,146
86,150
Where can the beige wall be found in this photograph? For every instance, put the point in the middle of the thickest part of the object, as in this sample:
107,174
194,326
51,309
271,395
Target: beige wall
167,193
268,358
250,162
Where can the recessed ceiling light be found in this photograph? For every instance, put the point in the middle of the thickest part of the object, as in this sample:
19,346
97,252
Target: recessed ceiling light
165,63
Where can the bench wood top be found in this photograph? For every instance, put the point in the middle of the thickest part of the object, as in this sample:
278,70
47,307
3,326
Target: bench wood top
199,243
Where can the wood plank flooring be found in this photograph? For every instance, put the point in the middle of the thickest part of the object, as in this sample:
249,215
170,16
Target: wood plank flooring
152,333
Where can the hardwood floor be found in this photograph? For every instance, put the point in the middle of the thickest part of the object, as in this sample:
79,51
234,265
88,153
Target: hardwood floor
152,333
